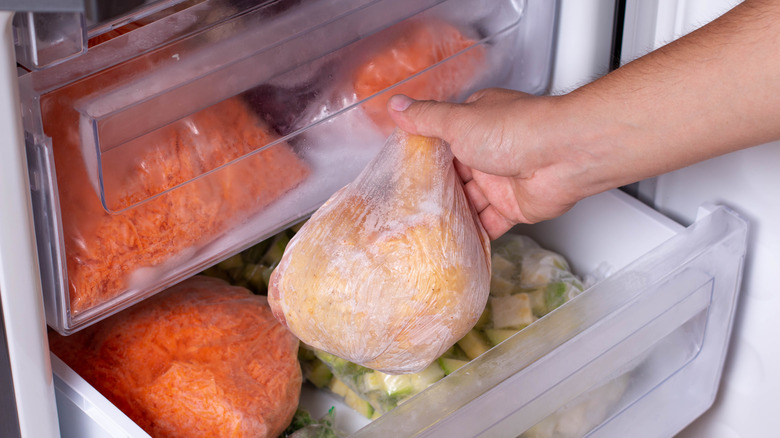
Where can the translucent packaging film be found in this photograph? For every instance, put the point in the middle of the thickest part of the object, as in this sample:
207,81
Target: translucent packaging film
201,359
394,268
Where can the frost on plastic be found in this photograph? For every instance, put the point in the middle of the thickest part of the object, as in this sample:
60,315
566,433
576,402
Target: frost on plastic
202,359
394,268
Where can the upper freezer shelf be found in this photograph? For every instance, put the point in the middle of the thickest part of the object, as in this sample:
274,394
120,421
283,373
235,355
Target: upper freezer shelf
188,135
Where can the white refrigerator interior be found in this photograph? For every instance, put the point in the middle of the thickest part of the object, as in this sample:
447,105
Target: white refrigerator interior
640,353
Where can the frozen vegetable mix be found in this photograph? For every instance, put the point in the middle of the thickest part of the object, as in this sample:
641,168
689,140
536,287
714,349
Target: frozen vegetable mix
201,359
394,268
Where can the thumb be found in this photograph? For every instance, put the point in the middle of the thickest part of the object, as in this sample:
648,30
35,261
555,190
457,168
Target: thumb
423,117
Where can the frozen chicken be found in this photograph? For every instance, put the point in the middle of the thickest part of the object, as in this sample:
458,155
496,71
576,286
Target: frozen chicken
394,268
201,359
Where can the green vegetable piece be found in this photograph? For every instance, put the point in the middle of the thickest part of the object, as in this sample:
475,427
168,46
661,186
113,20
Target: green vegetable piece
217,273
275,252
338,387
556,294
319,374
484,318
255,253
234,262
253,275
497,336
362,407
398,385
427,377
449,365
473,344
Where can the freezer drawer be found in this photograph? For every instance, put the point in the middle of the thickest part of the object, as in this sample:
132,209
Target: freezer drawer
639,353
182,140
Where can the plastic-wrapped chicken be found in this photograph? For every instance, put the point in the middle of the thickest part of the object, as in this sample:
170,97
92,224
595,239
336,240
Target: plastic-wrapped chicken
201,359
394,268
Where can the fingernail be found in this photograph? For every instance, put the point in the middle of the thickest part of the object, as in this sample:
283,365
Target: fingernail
399,102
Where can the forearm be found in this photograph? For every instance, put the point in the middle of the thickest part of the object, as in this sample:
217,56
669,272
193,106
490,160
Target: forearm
711,92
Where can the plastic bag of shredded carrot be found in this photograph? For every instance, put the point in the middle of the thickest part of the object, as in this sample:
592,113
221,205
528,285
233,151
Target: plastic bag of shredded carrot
201,359
407,49
106,253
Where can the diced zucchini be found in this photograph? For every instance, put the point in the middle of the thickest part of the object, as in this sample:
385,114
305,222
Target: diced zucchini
484,318
449,365
502,267
362,407
266,275
231,263
374,381
427,377
297,227
275,252
497,336
500,286
473,344
216,272
399,385
513,311
319,374
455,352
338,387
253,274
556,294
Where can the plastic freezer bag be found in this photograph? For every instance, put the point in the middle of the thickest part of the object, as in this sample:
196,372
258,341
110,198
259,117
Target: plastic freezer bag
393,268
164,204
201,359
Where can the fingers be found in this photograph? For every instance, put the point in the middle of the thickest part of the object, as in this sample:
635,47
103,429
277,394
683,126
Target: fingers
464,171
475,196
428,118
494,222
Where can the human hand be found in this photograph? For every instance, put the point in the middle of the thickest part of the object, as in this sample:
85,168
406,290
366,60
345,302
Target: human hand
511,173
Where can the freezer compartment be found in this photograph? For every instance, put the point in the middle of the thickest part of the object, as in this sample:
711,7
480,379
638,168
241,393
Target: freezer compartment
637,354
148,165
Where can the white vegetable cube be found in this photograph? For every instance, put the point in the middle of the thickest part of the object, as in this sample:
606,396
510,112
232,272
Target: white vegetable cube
500,286
502,267
542,267
512,311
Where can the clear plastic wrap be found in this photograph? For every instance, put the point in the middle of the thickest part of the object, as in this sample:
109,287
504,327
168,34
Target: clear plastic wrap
394,268
201,359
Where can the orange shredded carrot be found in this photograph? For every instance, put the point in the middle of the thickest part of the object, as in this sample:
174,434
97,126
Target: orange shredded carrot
103,250
408,49
201,359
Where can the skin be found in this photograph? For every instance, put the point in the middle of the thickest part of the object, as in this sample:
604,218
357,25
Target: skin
526,158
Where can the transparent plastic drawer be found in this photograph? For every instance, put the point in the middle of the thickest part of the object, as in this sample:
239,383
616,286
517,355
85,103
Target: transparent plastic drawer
181,138
639,353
